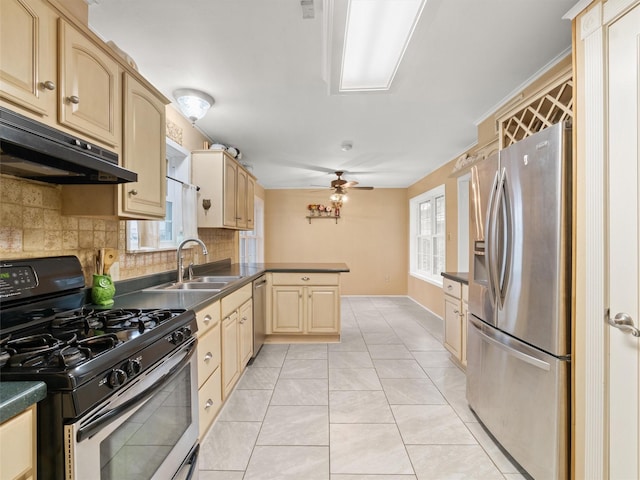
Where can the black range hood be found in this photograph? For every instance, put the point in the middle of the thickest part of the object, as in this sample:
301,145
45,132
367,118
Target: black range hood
32,150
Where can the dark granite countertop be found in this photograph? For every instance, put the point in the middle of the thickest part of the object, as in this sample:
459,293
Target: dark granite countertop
135,293
18,396
462,277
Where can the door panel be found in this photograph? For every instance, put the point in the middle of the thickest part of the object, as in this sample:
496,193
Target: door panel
624,250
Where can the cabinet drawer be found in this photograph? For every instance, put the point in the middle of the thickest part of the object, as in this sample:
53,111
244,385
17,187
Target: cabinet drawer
451,287
305,278
209,402
208,317
208,353
233,301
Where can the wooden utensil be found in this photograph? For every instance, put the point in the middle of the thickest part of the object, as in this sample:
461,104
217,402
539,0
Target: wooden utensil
110,256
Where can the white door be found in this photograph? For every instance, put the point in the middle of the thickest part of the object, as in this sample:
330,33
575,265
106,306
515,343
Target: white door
624,247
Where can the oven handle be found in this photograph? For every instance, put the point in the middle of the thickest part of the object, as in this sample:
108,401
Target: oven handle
91,428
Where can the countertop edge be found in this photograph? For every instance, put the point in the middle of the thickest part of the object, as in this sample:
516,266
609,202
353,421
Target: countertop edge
462,277
16,397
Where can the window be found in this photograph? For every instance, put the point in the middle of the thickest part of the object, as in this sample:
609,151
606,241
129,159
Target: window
427,235
252,242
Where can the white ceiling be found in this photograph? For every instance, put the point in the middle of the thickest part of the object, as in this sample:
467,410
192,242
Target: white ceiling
263,65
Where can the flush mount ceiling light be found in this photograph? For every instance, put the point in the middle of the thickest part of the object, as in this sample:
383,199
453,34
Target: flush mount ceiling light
193,103
365,42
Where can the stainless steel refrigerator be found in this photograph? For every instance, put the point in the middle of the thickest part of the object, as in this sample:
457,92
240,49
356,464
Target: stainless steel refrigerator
518,338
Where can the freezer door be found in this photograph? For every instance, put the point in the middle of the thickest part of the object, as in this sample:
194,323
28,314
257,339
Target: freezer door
483,185
521,395
533,240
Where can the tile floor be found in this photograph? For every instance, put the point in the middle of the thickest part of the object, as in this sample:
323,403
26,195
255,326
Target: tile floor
386,403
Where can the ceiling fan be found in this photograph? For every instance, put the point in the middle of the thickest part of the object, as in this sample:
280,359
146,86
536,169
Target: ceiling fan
340,186
341,183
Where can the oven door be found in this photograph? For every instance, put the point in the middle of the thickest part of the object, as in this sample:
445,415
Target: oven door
146,431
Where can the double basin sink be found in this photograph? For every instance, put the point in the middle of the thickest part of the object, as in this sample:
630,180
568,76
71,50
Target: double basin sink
212,283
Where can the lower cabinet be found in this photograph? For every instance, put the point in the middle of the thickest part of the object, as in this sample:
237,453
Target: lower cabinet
237,336
18,446
209,375
304,303
455,319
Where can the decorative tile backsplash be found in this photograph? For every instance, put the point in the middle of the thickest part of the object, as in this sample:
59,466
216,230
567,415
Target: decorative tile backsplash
31,226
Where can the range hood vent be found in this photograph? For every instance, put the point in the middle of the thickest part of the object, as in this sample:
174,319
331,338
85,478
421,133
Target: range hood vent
32,150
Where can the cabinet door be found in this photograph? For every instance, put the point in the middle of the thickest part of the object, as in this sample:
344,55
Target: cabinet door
27,49
251,191
241,198
230,362
452,326
18,446
323,307
143,151
89,87
245,325
287,315
463,351
230,186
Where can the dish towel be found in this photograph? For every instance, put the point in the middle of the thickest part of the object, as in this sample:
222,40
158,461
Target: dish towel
189,212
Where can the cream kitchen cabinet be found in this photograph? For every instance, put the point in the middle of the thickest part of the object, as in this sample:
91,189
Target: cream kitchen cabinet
28,76
144,152
209,371
237,329
225,187
75,87
251,191
89,96
304,303
18,446
455,319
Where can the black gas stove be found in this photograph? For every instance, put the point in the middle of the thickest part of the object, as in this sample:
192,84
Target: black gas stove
47,332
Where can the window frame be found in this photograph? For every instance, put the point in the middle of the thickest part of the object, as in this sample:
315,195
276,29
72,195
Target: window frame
255,236
415,234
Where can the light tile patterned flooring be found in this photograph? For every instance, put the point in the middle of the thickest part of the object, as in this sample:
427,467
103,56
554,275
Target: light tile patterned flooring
386,403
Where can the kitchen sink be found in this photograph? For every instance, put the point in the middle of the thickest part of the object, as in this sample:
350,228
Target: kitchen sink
204,284
215,279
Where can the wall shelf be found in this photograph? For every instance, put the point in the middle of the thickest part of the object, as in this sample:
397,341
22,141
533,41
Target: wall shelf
322,217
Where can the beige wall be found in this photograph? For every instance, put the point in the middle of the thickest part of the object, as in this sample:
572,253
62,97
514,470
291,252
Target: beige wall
31,225
371,236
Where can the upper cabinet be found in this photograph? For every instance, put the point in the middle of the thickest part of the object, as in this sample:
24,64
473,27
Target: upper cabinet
28,76
58,72
225,198
89,94
143,145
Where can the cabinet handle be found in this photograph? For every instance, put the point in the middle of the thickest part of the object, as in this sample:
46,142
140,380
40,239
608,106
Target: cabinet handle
449,287
73,99
456,312
207,319
208,405
48,85
208,356
133,192
305,279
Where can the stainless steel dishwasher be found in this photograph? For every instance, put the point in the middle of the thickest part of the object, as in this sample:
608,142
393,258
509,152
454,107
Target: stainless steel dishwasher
259,313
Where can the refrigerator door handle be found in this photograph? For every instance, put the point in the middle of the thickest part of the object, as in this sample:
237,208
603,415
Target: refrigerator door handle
487,336
490,240
492,231
505,255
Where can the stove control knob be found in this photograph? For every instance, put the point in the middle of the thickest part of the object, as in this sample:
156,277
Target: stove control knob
133,368
117,377
177,337
187,331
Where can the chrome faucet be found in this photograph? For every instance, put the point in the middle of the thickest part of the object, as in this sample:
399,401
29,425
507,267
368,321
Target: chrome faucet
179,255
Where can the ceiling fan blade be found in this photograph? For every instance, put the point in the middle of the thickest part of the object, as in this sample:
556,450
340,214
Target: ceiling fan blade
350,184
361,188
